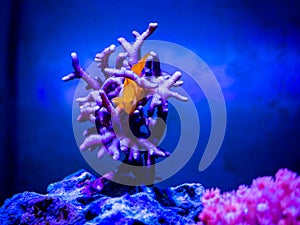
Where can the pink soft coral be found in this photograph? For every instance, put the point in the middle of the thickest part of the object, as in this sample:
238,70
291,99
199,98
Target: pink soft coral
266,201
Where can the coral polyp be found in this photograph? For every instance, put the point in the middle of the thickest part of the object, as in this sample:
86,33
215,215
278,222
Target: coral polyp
129,108
266,201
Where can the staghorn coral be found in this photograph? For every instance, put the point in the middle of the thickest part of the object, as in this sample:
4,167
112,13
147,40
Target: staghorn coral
267,201
129,108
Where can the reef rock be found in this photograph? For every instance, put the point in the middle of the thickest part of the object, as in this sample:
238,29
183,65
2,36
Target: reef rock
77,200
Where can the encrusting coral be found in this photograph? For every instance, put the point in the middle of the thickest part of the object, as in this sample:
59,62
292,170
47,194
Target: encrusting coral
128,106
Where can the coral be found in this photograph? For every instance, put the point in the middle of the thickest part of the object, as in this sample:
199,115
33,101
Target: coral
267,201
76,200
127,107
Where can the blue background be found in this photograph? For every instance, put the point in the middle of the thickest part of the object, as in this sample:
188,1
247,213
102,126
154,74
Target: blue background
253,47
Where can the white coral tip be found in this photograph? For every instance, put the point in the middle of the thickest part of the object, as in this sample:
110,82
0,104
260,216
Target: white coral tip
112,47
153,24
73,55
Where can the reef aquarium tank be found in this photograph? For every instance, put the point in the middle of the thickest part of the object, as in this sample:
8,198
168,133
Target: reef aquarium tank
153,125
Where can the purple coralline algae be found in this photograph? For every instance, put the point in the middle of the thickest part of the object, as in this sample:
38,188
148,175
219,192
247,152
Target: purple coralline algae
75,200
128,107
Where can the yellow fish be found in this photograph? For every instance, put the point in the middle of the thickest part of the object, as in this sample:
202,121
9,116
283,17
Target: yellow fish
132,93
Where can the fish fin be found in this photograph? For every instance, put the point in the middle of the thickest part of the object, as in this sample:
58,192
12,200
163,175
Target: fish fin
117,100
138,67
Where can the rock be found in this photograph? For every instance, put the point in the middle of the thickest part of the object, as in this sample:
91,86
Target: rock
32,208
75,200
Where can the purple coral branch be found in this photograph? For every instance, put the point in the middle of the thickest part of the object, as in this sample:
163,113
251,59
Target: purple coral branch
106,103
163,91
87,113
143,82
113,148
89,131
102,58
120,61
134,153
135,49
152,149
80,73
101,152
88,106
92,97
91,142
94,140
112,81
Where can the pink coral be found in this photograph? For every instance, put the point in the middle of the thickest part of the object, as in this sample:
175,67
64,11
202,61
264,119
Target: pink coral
266,201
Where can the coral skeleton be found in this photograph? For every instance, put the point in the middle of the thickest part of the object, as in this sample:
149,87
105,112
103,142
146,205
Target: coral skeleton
128,106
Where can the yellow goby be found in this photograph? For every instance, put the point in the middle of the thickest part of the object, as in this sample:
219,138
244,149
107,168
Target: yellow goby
132,93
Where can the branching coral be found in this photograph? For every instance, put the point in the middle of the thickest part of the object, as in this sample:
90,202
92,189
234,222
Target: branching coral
267,201
127,108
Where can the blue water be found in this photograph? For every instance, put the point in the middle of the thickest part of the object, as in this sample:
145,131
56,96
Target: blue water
252,47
